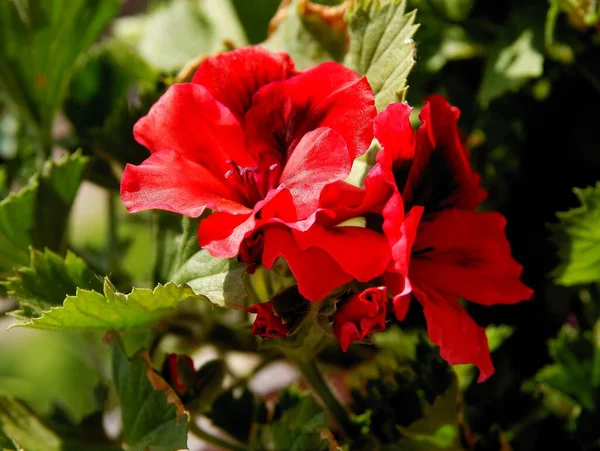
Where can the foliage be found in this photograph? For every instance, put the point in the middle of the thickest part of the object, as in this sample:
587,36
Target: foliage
117,298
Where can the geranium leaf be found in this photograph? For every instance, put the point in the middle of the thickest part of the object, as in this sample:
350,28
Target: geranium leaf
28,432
438,429
292,34
381,46
577,236
49,279
37,215
40,42
58,185
218,279
255,17
572,372
299,423
512,63
16,223
111,310
174,33
153,417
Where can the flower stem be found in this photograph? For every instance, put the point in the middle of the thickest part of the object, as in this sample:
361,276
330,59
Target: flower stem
313,376
213,439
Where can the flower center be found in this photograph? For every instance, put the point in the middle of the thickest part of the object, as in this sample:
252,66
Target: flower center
253,182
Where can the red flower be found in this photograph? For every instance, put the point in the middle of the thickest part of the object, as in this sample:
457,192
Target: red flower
443,249
267,324
255,141
361,315
178,370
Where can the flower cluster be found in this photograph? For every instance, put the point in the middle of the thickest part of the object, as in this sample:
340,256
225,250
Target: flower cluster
267,149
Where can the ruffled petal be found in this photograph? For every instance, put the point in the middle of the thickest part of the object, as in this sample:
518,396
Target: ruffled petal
394,132
188,120
222,233
449,326
401,232
234,77
169,181
360,252
360,315
328,95
320,158
440,175
316,273
466,254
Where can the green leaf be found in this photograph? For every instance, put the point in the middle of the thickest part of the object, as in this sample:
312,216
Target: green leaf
37,215
58,185
511,64
218,279
298,424
40,41
255,16
16,224
174,33
438,429
454,10
153,417
294,36
49,279
381,46
572,373
577,236
110,72
111,310
27,431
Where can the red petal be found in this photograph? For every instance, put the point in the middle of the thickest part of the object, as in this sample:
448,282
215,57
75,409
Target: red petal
169,181
315,271
328,95
460,339
188,120
441,175
394,132
222,233
360,315
360,252
234,77
466,254
401,232
267,324
320,158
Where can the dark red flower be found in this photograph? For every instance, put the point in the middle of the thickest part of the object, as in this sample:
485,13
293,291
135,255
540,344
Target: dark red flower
255,141
267,324
178,370
360,315
442,249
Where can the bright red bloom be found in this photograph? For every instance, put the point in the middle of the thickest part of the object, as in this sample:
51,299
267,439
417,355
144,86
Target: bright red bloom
255,141
267,324
442,248
360,315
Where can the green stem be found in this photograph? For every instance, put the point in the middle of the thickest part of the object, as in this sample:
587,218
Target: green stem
313,376
213,439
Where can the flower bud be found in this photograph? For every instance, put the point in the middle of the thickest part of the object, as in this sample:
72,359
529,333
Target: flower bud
360,315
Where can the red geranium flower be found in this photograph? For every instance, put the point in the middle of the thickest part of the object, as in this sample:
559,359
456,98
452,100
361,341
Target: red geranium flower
361,315
442,249
267,324
255,141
